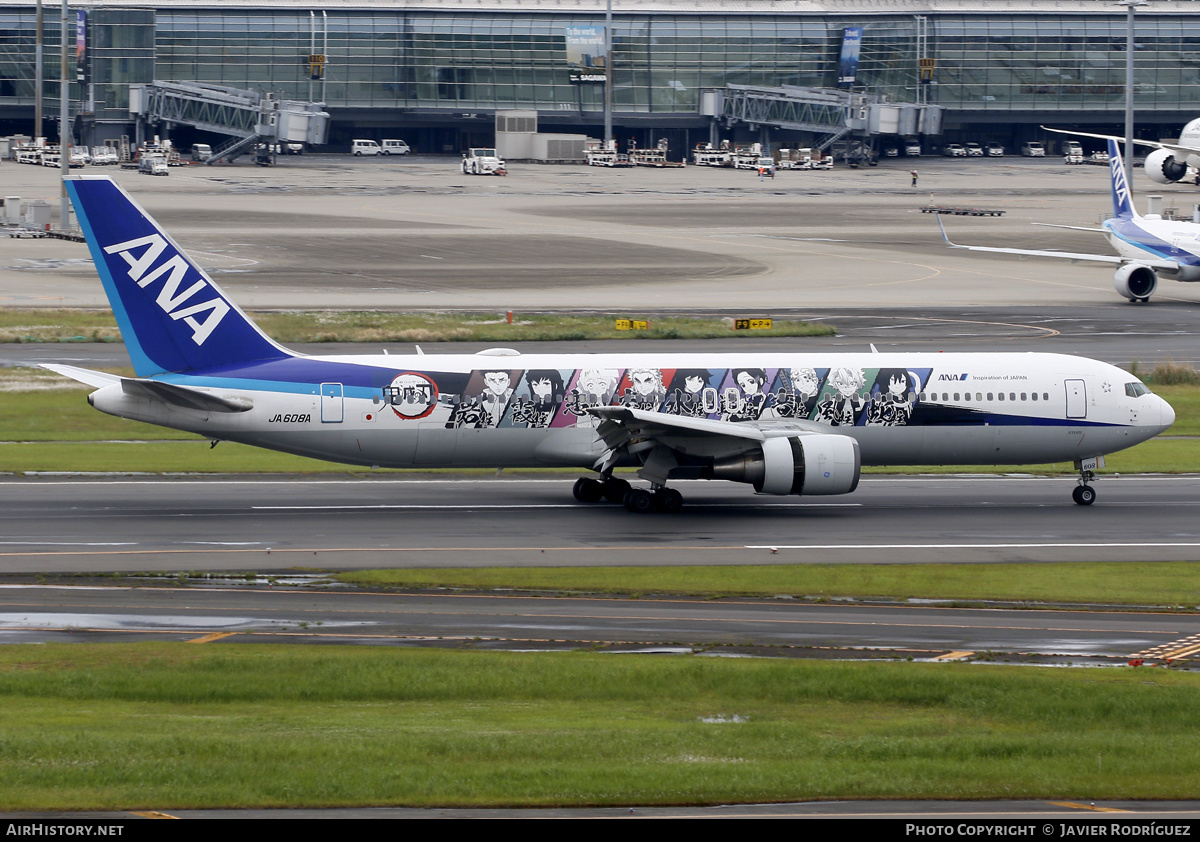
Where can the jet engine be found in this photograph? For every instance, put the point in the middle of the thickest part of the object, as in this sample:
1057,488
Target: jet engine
816,464
1135,281
1163,168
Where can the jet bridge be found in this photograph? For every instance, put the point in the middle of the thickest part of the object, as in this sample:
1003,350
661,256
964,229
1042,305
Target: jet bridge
823,111
248,117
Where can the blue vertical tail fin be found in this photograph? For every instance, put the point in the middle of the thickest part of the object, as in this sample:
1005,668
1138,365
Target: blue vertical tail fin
172,316
1122,202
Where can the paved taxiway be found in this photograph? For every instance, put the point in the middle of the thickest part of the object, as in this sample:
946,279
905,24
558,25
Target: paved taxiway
298,614
334,231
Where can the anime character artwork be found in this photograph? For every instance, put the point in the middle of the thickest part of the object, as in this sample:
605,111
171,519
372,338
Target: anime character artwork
797,390
485,399
642,388
893,398
843,398
690,394
745,396
538,398
591,387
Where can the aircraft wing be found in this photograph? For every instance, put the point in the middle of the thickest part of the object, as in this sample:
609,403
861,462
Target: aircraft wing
154,390
1153,144
1165,265
1069,227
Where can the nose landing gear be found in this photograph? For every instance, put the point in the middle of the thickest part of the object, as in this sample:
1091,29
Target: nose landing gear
1084,494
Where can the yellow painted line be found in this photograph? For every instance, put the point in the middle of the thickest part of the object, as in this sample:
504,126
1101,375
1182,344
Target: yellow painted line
955,656
152,814
209,638
1091,807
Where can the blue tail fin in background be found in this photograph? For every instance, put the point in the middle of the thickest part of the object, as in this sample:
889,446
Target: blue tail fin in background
1122,202
173,318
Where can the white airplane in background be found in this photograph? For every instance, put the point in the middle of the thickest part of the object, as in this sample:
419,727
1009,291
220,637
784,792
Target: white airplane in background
1169,162
1148,246
785,423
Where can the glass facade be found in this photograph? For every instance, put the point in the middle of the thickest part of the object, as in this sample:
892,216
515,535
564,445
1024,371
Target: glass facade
441,63
1064,63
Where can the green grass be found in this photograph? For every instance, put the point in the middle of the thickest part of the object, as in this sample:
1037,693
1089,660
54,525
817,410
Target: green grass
1168,583
70,325
173,726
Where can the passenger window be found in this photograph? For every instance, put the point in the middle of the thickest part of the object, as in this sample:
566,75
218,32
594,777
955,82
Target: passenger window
1022,396
990,396
1035,396
1001,396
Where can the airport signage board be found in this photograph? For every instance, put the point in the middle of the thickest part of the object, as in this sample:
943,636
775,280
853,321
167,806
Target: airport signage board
587,60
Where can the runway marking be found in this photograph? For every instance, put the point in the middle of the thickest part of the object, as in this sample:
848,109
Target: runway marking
268,550
209,638
1093,807
1182,648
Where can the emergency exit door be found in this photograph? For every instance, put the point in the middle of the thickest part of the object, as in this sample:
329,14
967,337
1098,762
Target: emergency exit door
1076,398
331,403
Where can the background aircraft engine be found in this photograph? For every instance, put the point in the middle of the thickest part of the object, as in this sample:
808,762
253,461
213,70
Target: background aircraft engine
1162,168
1135,281
817,464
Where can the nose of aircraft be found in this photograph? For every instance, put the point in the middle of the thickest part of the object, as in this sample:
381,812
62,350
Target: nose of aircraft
1166,414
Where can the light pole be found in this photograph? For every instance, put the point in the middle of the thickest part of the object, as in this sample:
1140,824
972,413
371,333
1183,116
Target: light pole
1129,5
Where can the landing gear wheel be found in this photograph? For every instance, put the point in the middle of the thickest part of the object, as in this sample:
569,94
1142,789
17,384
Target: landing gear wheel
616,489
588,490
668,500
639,501
1084,495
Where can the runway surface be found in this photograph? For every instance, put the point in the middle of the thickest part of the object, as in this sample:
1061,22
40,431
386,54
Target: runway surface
55,525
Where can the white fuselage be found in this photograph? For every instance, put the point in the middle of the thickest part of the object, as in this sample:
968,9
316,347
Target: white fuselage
518,410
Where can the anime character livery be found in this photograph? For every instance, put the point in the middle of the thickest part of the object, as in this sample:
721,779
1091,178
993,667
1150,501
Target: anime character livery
781,423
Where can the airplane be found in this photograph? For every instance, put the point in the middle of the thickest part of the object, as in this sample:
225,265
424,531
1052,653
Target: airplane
784,423
1149,246
1169,162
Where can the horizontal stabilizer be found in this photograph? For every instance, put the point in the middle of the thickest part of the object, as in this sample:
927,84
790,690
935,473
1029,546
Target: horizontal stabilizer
182,396
97,379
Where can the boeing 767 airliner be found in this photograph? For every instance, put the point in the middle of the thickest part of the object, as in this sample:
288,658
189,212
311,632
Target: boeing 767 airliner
784,423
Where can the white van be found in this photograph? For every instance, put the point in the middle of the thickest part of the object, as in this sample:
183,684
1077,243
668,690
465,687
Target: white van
395,147
1033,149
364,147
201,151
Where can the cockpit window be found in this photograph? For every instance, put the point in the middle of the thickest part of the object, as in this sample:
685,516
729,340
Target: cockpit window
1135,390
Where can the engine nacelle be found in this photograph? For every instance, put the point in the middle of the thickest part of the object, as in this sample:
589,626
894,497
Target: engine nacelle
1135,281
1163,168
817,464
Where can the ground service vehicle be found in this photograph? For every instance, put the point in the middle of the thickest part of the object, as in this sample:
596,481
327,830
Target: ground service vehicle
782,422
482,161
395,147
364,147
1033,149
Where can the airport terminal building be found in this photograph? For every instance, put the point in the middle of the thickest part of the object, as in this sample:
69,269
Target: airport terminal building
435,72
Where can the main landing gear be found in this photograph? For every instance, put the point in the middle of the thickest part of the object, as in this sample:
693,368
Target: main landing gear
638,500
1084,494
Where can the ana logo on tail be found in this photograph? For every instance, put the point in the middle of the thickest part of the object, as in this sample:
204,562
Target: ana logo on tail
1122,206
142,269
